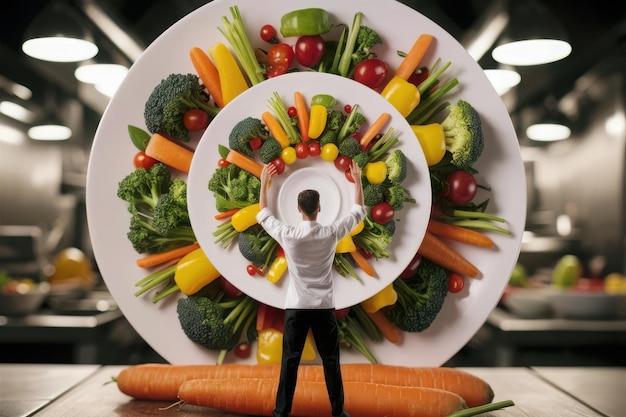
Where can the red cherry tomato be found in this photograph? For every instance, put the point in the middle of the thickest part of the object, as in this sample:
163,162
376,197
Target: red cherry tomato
243,350
222,163
229,289
315,149
371,72
268,33
456,282
343,162
462,187
302,150
382,213
292,112
252,270
255,143
348,174
279,164
419,76
410,269
310,50
196,119
347,108
279,58
141,160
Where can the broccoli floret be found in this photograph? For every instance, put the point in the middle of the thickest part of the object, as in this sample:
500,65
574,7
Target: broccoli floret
257,246
391,227
146,239
334,121
396,167
217,323
374,238
352,123
396,195
170,100
372,194
229,187
420,298
245,130
254,189
362,158
171,211
463,134
349,147
143,187
270,150
366,39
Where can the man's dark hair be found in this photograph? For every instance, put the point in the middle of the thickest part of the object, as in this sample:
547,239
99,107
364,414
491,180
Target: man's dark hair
308,201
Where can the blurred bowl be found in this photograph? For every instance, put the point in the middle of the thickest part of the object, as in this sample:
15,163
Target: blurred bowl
528,303
588,305
21,304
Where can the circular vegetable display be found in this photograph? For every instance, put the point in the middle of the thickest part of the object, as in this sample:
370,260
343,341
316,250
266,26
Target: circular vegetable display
179,112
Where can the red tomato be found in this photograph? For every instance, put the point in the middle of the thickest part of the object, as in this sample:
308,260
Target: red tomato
302,150
196,119
342,163
349,176
382,213
141,160
222,163
310,50
292,112
462,187
268,33
456,282
255,143
371,72
410,269
251,269
279,58
229,289
342,312
347,108
419,76
315,149
279,164
242,350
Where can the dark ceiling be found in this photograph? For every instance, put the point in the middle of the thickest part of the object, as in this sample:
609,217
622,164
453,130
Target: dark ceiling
596,30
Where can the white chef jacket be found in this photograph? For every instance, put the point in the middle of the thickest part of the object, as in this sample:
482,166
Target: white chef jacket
310,251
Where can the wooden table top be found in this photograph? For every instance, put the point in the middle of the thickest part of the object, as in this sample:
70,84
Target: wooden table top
87,390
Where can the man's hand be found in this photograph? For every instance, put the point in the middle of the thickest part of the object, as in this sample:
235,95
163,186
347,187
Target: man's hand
269,170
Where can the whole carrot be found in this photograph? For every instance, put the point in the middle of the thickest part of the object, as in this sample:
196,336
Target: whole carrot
256,396
160,258
162,381
434,249
459,233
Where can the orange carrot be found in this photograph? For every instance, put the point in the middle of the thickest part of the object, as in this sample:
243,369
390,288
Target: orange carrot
225,214
243,162
155,259
276,129
207,71
170,153
412,59
303,116
162,381
374,129
362,263
256,396
389,330
459,233
443,255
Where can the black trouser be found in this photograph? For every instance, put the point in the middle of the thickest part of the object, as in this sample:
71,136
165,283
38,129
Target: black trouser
323,324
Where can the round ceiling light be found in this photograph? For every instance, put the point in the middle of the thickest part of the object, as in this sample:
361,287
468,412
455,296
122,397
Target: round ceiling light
531,52
548,132
50,132
502,79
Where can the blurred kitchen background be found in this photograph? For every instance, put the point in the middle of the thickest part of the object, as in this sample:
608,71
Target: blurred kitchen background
576,185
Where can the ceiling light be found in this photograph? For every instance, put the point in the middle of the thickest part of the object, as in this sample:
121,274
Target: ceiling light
96,73
548,132
11,135
531,52
49,132
503,79
17,112
57,35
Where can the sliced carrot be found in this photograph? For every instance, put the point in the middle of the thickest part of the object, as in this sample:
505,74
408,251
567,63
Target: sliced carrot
412,59
459,233
170,153
443,255
207,71
303,115
276,129
389,330
243,162
162,381
374,129
155,259
362,263
226,214
256,396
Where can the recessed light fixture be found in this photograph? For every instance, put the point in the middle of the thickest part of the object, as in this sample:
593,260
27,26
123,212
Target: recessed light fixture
503,79
531,52
548,132
17,112
50,132
95,73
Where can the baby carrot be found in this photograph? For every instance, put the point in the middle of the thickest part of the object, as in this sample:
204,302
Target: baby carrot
303,116
443,255
155,259
225,214
276,129
170,153
256,396
412,58
362,263
459,233
245,163
374,129
389,330
207,71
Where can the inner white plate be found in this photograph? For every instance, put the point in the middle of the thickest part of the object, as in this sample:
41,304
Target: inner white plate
336,192
500,167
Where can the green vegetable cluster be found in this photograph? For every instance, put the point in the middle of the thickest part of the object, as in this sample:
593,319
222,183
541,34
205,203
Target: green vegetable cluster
463,134
244,131
234,187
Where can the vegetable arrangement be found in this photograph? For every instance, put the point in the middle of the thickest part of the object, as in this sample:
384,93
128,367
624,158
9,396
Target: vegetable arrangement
292,129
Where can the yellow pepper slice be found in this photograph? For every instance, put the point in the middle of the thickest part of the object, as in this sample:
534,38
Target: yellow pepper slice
402,95
375,172
345,245
317,120
245,217
194,271
276,269
358,228
270,347
385,297
432,140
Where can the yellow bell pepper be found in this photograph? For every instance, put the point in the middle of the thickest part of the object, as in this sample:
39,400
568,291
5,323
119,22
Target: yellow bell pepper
432,140
232,80
317,120
245,217
345,245
270,347
402,95
358,228
375,172
276,269
385,297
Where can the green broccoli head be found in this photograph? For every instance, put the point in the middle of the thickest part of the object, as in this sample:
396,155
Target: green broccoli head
396,167
254,189
463,134
420,298
361,159
170,100
257,246
366,39
350,147
143,187
245,130
144,237
270,150
230,188
374,238
171,211
396,195
372,194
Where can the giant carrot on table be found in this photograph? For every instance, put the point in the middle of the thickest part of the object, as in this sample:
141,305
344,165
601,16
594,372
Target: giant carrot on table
207,71
459,233
169,152
160,258
437,251
414,56
161,381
